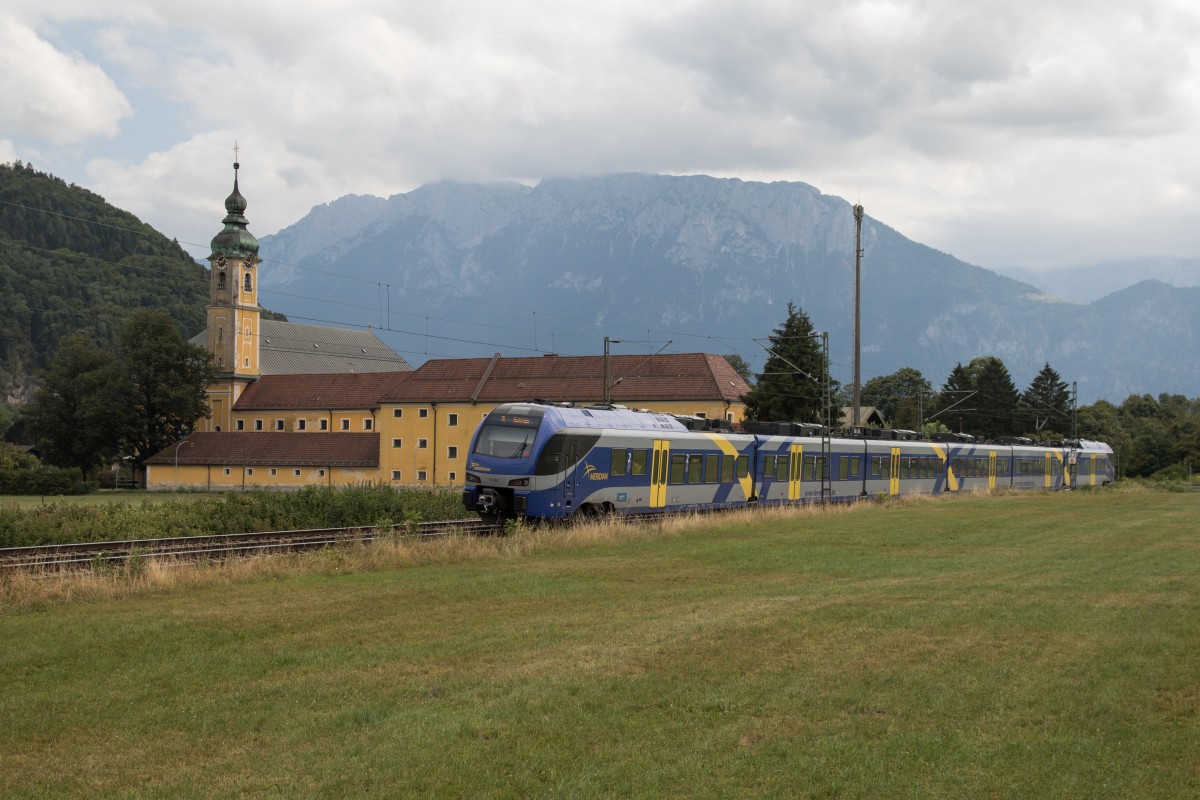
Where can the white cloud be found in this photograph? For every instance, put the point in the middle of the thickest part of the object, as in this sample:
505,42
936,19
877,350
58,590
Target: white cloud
52,95
1002,131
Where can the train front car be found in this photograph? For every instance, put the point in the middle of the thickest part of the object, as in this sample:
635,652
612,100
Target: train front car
549,462
502,457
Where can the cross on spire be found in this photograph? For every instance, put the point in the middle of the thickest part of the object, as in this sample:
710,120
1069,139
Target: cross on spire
236,148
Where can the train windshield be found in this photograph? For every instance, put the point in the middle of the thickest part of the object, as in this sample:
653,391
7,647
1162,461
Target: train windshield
507,435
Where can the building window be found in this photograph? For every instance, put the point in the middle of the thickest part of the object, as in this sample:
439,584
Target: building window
452,420
452,451
701,415
221,282
421,476
295,473
301,424
345,424
324,425
241,424
250,470
247,282
367,423
422,444
395,474
220,335
397,443
246,362
247,330
258,424
397,413
453,477
321,473
273,472
278,424
226,472
423,413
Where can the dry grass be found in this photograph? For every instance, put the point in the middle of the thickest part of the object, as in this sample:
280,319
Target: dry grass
148,576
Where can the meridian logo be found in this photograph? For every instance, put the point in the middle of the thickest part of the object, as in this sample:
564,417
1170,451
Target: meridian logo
590,473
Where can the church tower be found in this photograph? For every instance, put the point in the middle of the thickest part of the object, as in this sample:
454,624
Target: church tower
233,311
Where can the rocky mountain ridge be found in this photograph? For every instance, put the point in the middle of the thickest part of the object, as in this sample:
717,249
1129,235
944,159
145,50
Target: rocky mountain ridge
454,269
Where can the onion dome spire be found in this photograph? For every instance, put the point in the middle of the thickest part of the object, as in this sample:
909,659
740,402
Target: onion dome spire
235,241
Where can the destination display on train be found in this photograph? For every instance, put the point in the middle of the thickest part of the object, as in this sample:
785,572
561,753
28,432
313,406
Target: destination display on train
508,419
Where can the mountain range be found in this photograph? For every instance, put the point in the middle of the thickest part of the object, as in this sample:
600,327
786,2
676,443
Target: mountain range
700,264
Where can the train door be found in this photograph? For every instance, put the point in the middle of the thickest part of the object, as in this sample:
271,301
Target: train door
894,487
658,473
570,479
992,470
1049,470
797,458
1072,473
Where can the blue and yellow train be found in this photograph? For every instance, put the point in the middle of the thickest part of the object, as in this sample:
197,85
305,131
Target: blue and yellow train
536,461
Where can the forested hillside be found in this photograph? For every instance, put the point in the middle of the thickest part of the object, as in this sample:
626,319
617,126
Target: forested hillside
72,263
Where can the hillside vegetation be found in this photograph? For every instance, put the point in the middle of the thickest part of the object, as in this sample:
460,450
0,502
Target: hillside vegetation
71,263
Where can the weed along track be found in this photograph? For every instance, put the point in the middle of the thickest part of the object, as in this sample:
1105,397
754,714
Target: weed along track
91,555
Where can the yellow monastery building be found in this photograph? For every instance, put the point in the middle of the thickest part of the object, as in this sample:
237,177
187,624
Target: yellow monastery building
297,405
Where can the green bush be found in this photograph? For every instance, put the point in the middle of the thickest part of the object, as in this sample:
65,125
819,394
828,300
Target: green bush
44,481
317,507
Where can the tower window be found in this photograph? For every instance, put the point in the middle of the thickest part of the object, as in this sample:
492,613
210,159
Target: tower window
221,281
248,288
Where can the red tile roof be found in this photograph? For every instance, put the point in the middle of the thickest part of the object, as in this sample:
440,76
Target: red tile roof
318,392
255,448
636,379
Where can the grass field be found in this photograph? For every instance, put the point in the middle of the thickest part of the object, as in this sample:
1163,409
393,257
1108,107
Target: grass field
1007,646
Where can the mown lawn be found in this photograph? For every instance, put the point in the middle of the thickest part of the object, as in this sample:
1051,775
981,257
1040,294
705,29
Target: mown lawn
1009,646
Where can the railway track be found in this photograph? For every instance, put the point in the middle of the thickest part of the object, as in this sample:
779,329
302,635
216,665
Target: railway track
220,547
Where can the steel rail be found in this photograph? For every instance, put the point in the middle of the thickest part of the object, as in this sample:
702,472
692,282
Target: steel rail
83,555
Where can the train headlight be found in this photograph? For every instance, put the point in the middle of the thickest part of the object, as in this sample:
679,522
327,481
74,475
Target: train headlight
472,478
519,482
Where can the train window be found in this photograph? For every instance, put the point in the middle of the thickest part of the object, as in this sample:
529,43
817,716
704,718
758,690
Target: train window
781,468
638,462
768,466
712,468
854,466
743,466
695,469
885,468
727,465
844,468
678,465
807,472
617,469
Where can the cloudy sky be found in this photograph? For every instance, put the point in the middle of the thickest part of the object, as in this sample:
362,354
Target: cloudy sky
1032,133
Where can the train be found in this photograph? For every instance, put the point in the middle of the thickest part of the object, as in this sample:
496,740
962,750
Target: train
537,461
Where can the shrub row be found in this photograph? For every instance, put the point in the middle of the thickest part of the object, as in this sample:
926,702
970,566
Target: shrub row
312,507
44,481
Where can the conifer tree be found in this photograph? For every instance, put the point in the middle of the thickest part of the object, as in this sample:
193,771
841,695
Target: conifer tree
1046,401
790,389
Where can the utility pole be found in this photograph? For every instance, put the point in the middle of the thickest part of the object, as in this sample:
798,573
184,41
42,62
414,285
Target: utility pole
608,370
1075,410
857,392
